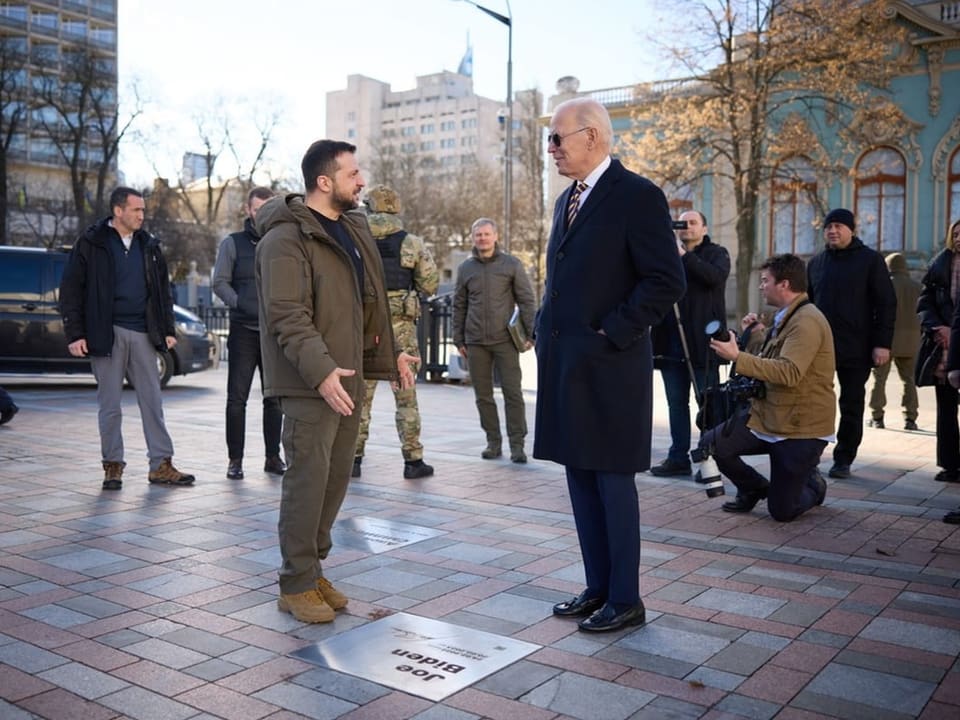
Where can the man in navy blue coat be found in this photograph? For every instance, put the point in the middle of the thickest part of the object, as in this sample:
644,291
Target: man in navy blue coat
612,272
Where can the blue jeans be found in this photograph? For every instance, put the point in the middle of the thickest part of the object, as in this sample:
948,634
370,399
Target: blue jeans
243,359
676,383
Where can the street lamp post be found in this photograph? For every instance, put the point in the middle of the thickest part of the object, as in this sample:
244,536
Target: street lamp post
508,135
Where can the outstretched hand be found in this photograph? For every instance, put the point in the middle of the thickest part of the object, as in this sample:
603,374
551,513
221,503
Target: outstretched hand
406,366
334,393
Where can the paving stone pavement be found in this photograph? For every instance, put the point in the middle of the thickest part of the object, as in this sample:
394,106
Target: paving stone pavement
157,602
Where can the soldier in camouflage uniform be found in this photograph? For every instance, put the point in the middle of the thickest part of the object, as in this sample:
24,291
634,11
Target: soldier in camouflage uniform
410,270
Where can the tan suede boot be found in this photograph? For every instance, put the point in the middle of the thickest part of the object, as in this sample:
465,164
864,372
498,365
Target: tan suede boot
308,607
335,599
113,475
167,474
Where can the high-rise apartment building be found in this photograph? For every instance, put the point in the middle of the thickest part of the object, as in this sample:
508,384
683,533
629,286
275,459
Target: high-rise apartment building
441,120
42,47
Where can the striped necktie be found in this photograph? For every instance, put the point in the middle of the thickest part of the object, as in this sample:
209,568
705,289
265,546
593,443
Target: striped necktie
573,205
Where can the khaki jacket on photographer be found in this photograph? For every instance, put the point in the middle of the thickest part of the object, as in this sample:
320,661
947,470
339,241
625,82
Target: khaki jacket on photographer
797,367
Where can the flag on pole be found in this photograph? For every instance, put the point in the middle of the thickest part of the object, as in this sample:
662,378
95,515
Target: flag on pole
466,64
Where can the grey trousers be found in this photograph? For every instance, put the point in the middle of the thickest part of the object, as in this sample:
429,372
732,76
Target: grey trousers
132,356
318,445
482,359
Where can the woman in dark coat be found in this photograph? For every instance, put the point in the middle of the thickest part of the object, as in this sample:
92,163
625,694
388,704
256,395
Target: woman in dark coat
938,298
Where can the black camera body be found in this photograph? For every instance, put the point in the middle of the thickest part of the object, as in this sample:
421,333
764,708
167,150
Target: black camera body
679,224
741,388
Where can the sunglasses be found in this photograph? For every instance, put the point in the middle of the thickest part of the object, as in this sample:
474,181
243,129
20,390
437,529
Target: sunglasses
557,138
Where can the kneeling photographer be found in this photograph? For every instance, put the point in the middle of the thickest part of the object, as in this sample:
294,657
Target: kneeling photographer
793,418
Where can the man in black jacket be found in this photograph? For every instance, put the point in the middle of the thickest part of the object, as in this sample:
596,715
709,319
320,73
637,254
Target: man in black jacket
234,283
707,267
850,284
118,311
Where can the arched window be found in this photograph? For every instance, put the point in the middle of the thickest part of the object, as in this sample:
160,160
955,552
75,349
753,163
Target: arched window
792,214
953,183
881,199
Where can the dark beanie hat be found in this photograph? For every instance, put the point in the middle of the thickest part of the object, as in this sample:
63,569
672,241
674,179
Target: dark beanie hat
840,215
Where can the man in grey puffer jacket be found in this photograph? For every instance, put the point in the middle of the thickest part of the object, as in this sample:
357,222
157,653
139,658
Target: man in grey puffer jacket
489,285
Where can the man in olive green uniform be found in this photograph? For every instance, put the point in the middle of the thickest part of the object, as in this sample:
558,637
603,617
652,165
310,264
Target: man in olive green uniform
410,272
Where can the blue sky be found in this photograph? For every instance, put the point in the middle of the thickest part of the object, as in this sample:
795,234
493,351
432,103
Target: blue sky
186,54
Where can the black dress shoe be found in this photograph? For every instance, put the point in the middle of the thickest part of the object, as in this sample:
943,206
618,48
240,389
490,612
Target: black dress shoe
235,470
274,465
671,468
607,619
950,476
744,502
357,471
951,518
579,606
840,470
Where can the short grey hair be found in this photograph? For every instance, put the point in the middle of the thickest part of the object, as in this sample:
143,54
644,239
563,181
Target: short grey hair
590,113
480,222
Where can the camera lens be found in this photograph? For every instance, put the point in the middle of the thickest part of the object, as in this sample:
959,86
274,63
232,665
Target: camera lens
716,331
709,476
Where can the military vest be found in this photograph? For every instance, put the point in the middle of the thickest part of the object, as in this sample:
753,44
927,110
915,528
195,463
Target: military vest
397,277
243,280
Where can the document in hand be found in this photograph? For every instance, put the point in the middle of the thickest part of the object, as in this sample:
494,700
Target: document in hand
517,332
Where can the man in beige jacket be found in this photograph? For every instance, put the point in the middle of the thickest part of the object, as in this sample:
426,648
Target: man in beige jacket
792,419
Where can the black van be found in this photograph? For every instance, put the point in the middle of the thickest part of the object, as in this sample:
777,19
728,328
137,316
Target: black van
31,329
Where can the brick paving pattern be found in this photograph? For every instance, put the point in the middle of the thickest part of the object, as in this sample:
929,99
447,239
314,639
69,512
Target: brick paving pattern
159,602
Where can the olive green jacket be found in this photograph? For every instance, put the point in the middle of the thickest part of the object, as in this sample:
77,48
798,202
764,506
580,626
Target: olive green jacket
314,317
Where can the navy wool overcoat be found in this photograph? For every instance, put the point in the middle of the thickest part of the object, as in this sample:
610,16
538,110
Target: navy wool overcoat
615,269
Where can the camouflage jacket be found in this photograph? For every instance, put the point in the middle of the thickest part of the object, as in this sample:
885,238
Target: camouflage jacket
405,304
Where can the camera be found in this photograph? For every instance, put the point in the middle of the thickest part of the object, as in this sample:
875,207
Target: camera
716,330
679,224
741,388
708,474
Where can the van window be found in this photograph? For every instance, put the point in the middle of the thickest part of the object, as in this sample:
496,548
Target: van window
20,274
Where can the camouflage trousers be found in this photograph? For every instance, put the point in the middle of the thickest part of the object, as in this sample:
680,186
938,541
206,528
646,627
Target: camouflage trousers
407,415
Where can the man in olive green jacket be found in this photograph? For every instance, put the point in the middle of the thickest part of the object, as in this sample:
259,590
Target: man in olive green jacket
324,327
793,421
490,283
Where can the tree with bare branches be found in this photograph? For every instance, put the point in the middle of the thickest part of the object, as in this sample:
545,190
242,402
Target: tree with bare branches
78,113
765,81
13,112
529,222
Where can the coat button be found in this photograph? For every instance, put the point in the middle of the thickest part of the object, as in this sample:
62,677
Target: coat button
555,333
559,256
554,294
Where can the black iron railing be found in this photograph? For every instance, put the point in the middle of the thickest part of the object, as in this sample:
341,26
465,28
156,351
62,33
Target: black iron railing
434,333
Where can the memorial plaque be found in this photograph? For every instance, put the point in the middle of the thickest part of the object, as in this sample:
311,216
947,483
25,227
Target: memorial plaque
416,655
374,535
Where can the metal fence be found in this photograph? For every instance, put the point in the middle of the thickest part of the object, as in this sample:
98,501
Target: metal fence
434,334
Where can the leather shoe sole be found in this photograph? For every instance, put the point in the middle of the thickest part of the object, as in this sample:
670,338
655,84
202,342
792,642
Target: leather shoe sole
606,619
744,502
579,606
667,469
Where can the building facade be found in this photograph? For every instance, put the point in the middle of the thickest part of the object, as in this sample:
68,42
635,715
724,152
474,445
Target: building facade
441,121
42,48
902,182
